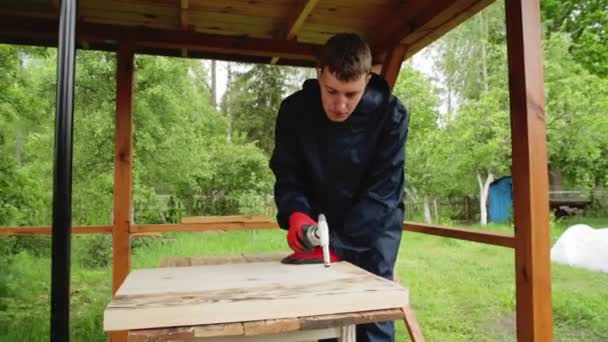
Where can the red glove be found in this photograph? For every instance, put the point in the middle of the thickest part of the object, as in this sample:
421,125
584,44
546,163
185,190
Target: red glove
299,223
314,257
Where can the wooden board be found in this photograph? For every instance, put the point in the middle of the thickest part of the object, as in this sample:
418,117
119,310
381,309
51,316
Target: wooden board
187,296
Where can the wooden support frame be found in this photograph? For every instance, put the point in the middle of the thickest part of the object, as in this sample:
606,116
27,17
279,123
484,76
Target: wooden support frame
392,64
123,159
530,171
248,222
295,22
44,31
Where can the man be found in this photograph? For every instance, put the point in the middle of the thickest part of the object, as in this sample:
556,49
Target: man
339,151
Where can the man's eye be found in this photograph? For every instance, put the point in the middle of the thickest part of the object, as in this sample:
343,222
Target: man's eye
333,92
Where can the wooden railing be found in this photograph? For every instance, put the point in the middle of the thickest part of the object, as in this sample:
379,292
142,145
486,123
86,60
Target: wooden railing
209,223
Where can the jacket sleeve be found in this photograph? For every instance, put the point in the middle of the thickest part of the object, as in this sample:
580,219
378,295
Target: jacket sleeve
287,166
379,205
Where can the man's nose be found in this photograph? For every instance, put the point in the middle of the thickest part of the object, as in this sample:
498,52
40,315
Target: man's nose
341,104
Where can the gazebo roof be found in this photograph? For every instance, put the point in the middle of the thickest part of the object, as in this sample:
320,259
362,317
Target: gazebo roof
280,31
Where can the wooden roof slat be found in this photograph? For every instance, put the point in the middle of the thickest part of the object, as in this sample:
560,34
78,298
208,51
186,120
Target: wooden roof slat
298,17
295,21
46,31
384,23
415,45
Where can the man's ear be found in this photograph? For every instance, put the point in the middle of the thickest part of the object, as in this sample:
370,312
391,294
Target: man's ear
368,77
319,72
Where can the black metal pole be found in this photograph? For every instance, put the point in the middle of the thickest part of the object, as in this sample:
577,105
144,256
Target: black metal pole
62,175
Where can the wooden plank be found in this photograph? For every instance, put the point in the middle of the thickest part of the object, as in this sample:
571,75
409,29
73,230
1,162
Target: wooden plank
296,336
490,238
351,318
227,218
271,326
529,169
278,326
392,65
169,334
164,297
214,330
202,227
10,231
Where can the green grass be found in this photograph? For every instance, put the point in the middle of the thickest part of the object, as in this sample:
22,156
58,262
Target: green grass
461,291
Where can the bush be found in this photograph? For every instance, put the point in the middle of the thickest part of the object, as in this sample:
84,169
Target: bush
95,251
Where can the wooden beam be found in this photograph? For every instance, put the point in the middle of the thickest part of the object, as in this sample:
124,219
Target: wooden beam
44,31
295,22
123,159
13,231
489,238
183,15
428,25
298,17
392,64
446,23
202,227
530,171
224,219
123,164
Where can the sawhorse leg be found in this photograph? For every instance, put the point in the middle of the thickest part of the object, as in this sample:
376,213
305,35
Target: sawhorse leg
412,324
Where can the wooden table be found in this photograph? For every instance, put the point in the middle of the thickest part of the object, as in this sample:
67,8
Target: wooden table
251,298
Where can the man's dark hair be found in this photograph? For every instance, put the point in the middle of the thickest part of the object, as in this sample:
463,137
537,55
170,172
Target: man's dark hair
347,56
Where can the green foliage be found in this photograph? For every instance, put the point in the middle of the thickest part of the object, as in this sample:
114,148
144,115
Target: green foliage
577,126
586,22
255,98
95,251
232,179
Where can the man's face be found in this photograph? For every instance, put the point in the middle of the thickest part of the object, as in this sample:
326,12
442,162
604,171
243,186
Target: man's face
340,98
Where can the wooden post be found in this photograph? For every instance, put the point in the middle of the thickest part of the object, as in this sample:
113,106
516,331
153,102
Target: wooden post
392,64
121,253
530,175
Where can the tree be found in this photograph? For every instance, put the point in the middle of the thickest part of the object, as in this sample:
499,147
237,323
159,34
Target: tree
255,96
586,23
424,167
577,116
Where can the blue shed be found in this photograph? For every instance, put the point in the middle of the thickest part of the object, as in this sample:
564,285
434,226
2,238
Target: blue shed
500,200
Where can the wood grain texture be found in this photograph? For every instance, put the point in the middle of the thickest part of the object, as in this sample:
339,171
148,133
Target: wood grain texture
343,321
530,172
232,293
250,28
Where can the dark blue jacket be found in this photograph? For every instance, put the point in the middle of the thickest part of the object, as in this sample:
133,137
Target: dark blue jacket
353,171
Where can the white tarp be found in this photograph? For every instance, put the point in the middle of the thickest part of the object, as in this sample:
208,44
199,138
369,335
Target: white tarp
582,246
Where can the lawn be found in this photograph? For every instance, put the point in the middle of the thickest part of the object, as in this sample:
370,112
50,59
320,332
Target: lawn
461,291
